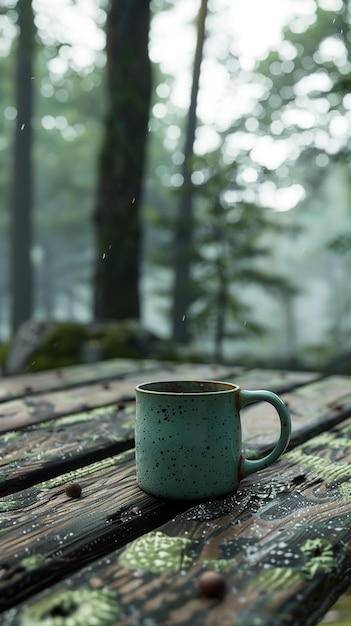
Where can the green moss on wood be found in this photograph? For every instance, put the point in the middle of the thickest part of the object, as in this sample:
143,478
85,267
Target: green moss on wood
33,561
156,552
277,578
324,468
75,475
219,565
320,559
73,608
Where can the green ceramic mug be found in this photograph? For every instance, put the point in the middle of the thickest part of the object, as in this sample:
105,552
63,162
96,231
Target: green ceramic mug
188,438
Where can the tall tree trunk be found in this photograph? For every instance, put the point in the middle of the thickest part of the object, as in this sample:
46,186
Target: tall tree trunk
121,167
288,303
21,228
183,237
221,310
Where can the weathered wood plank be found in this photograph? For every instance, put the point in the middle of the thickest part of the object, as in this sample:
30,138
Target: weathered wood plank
282,542
44,534
53,448
279,381
39,407
71,441
314,408
50,448
12,387
44,514
23,385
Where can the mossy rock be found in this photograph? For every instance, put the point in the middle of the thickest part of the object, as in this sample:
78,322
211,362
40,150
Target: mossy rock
60,347
45,346
66,343
126,339
64,339
4,352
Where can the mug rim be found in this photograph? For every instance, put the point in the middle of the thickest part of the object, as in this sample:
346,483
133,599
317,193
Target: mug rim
142,388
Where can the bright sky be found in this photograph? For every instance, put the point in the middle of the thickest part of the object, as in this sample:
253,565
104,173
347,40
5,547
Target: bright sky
249,27
252,27
242,18
77,23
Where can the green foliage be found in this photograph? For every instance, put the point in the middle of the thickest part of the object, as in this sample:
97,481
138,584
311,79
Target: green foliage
305,83
341,244
234,233
67,118
232,230
229,253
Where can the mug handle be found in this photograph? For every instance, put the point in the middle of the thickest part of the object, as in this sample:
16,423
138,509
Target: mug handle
248,397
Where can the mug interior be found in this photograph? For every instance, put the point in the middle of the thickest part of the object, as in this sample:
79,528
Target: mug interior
187,387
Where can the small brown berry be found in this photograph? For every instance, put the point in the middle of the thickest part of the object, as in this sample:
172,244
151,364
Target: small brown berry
212,584
73,490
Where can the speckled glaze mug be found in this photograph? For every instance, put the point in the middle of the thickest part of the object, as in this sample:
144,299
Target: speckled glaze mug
188,438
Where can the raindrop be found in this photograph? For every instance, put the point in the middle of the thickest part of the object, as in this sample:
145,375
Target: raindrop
135,510
22,127
104,255
183,318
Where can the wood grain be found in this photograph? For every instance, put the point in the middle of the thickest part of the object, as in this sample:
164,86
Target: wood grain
17,386
314,408
282,542
46,449
12,387
38,407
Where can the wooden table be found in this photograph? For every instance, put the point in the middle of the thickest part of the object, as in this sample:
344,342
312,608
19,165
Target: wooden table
116,555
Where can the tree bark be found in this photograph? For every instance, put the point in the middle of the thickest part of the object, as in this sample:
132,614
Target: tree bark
183,238
221,312
121,167
21,228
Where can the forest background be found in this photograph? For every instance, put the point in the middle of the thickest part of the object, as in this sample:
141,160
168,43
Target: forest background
232,236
